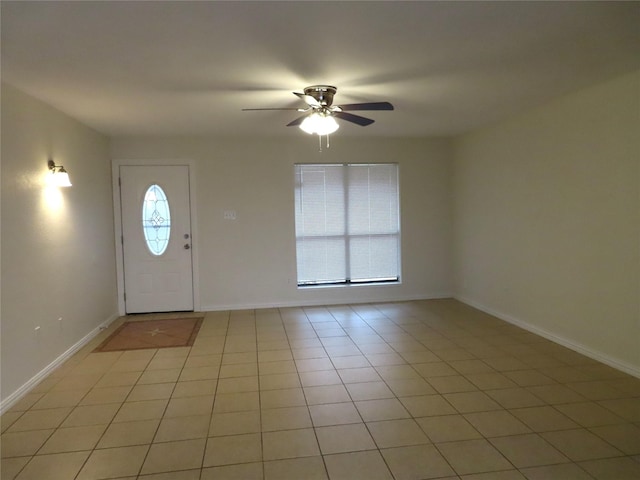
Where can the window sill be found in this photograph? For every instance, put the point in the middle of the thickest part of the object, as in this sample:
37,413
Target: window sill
349,285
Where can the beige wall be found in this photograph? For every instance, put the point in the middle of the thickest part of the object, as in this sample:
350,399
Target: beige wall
250,262
547,220
57,244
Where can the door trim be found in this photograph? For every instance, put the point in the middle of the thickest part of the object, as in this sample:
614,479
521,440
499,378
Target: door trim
117,220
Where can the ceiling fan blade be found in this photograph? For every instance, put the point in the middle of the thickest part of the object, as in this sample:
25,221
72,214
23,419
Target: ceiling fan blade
349,117
258,109
308,99
297,121
366,106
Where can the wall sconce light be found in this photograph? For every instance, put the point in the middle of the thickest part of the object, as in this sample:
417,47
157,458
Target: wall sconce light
58,176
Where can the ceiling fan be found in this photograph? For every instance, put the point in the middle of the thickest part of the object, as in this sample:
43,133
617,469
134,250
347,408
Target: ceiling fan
320,113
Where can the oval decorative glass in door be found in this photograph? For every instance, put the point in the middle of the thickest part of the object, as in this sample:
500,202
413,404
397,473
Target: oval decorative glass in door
156,220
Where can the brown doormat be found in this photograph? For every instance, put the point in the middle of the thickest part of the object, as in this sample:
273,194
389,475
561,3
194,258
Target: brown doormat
178,332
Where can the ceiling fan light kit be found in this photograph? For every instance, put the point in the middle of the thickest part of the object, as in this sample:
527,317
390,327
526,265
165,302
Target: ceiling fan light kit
320,113
320,124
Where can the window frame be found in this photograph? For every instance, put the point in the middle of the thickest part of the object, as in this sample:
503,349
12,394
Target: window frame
348,281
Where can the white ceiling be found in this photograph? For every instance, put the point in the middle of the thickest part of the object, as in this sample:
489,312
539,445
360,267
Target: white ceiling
137,68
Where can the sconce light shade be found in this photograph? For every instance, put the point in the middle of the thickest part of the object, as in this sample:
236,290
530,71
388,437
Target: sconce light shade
58,176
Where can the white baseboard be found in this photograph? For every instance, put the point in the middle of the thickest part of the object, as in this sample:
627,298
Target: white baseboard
565,342
8,402
314,303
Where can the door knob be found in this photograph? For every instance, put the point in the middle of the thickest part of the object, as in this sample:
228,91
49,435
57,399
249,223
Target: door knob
187,246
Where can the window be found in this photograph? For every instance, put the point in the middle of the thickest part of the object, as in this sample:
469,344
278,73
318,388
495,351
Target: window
347,223
156,220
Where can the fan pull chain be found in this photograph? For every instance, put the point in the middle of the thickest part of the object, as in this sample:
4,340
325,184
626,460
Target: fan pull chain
320,143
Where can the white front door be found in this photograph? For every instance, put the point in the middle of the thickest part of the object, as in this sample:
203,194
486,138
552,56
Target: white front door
156,238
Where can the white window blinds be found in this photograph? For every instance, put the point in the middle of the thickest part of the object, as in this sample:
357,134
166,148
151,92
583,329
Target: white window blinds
347,223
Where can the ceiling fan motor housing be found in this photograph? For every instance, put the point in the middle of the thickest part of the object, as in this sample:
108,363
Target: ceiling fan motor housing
322,93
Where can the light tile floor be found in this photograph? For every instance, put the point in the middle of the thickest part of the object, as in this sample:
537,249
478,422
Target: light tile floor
412,390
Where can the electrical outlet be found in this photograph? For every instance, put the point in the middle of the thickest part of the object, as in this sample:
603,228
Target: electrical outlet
230,215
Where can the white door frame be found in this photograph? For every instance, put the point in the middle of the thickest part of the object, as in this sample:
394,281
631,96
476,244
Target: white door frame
117,218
